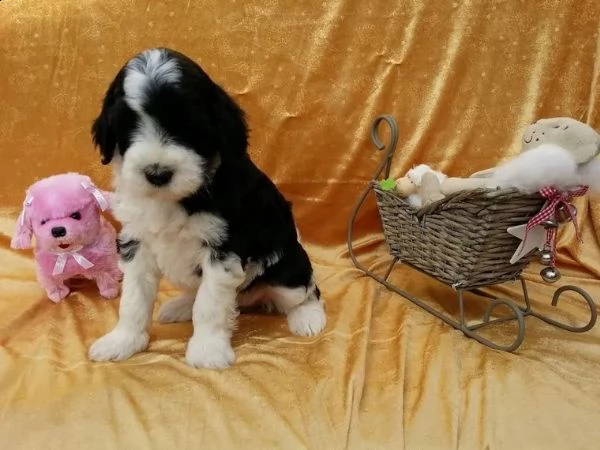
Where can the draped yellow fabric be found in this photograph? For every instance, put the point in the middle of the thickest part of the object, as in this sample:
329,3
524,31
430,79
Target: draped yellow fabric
462,78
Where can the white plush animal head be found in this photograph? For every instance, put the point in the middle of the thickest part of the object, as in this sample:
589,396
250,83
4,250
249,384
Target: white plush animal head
581,140
416,174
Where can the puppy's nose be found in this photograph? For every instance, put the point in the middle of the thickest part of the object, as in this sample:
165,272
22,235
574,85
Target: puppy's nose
157,175
59,232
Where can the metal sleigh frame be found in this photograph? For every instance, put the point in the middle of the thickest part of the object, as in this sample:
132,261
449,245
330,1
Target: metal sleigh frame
518,312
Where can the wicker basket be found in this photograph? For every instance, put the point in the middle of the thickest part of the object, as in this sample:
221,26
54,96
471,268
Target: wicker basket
461,240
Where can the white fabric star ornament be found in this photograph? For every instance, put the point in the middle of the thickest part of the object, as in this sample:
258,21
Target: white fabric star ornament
536,238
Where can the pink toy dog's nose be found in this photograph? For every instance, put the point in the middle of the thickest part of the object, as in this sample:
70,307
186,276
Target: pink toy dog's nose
59,232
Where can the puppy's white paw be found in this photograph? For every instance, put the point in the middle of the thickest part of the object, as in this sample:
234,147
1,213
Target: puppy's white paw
209,352
177,310
307,319
117,346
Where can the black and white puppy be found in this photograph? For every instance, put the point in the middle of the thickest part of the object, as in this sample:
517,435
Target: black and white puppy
195,209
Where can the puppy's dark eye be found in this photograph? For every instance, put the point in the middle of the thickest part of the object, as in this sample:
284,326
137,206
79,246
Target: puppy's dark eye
43,222
76,215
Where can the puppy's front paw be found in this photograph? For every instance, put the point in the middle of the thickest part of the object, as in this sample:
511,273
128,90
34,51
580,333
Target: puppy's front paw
209,352
117,346
307,319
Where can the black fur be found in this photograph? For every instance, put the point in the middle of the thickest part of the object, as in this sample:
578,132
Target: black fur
112,129
127,248
199,114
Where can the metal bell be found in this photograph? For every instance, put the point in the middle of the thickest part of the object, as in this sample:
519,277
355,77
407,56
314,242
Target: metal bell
546,257
550,274
562,214
550,223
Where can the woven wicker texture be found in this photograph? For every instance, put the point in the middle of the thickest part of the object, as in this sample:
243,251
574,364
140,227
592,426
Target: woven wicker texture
461,240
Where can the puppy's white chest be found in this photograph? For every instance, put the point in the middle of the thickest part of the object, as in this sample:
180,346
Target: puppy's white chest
177,240
180,259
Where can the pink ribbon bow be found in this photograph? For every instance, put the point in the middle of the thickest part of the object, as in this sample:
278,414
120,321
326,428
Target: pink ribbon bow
27,202
90,187
61,261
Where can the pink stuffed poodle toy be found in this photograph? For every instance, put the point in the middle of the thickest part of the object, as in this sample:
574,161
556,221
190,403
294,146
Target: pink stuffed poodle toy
72,238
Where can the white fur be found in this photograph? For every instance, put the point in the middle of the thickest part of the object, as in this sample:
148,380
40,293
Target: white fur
178,309
255,269
305,312
140,285
415,175
153,66
530,171
414,200
149,147
120,344
214,313
307,319
175,240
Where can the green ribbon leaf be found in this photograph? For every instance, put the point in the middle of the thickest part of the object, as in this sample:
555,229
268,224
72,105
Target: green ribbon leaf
388,184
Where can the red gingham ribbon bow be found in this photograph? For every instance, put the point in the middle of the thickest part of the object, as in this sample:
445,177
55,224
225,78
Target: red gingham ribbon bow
554,199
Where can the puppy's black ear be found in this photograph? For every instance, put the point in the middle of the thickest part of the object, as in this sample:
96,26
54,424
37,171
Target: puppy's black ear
104,129
231,126
104,137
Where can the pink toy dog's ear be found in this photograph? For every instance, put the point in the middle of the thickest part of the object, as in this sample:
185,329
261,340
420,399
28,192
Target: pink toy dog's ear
110,198
24,231
103,198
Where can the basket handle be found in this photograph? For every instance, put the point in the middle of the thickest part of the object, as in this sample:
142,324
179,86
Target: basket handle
391,148
384,165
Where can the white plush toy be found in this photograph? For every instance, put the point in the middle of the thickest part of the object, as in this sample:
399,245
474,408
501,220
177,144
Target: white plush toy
559,152
530,171
415,176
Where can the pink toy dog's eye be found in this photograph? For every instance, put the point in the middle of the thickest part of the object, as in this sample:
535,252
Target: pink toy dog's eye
76,215
43,222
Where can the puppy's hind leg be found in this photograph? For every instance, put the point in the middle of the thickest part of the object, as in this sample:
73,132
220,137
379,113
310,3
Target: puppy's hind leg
303,306
178,309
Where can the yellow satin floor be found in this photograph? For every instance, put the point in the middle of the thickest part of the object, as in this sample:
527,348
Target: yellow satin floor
462,78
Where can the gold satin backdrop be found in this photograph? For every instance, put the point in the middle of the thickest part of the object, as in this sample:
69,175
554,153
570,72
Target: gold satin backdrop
462,78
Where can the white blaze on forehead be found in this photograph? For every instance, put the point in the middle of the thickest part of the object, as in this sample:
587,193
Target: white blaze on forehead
153,66
151,144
